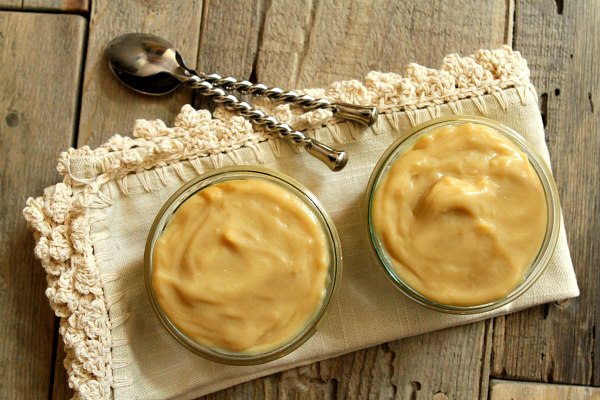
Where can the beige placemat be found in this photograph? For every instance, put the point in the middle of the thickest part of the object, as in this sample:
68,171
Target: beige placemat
91,229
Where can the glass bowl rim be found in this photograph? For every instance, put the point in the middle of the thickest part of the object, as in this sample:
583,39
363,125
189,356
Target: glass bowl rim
542,259
232,173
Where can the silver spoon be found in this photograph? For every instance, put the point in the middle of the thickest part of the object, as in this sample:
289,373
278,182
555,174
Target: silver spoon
141,55
150,65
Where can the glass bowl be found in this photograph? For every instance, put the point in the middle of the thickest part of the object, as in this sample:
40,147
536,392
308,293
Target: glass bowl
551,196
239,173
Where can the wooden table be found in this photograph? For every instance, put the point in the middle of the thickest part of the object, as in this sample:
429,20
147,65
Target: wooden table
56,91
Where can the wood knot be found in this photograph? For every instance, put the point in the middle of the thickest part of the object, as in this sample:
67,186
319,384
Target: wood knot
12,119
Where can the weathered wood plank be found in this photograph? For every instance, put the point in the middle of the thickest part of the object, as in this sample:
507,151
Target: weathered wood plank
233,53
107,106
557,342
38,119
306,44
11,4
507,390
79,6
312,43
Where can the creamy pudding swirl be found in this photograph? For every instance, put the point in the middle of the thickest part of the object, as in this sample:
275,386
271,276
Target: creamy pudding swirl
462,215
241,266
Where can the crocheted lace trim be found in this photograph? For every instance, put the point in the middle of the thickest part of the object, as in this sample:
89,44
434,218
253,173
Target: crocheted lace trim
60,218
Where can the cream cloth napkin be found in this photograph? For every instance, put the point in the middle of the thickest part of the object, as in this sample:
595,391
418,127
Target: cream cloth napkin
91,229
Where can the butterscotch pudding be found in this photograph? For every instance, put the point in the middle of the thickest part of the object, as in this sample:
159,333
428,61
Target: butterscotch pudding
244,265
459,214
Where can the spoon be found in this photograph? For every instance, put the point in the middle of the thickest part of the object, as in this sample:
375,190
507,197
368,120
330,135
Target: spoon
150,65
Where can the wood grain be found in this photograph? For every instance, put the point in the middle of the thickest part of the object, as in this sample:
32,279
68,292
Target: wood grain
506,390
108,107
11,4
229,37
79,6
37,121
557,342
228,42
313,43
306,44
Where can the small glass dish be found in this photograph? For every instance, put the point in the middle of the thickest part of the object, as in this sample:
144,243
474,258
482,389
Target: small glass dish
240,173
542,170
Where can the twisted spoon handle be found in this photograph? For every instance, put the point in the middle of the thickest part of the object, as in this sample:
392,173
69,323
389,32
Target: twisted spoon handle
334,159
362,114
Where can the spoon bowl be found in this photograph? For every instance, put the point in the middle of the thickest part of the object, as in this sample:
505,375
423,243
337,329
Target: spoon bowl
147,64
